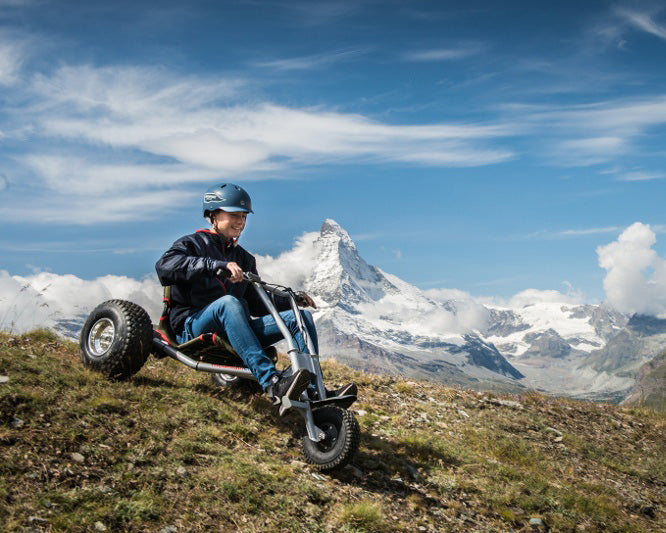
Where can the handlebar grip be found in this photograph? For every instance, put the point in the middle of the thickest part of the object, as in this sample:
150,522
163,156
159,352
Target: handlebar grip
224,272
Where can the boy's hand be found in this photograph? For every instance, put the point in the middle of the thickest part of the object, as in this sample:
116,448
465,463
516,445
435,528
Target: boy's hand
304,300
236,272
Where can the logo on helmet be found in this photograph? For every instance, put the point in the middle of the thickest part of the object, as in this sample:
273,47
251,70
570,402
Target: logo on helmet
212,197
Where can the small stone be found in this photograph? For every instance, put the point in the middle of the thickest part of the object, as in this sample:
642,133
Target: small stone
556,432
423,528
298,464
510,403
356,472
77,457
37,520
361,412
99,526
413,472
318,477
181,471
536,522
558,439
169,529
4,379
463,413
17,423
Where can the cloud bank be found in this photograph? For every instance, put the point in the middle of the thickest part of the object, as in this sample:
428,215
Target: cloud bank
635,279
41,300
138,137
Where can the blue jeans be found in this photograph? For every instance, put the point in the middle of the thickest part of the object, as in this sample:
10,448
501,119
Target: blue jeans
226,316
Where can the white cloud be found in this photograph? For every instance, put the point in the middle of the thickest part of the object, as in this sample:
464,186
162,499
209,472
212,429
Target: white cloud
635,279
310,61
462,51
130,133
641,176
596,133
293,267
536,296
642,21
12,55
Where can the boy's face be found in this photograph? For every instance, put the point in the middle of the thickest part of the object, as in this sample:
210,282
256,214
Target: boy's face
229,225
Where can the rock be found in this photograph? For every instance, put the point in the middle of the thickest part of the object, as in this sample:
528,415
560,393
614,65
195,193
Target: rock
298,464
318,477
413,472
17,423
509,403
556,432
169,529
356,472
361,412
463,413
77,457
99,526
181,471
536,522
4,379
37,520
558,439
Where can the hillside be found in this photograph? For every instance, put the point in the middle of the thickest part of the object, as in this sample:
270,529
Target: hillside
650,387
168,452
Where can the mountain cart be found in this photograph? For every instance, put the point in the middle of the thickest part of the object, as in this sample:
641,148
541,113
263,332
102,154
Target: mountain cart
118,337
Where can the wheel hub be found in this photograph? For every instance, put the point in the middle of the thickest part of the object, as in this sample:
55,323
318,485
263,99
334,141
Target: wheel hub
101,337
331,437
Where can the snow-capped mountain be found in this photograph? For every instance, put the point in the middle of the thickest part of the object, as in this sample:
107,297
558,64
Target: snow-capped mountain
551,344
375,321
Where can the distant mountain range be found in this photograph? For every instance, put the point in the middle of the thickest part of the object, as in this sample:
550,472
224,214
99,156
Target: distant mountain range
374,321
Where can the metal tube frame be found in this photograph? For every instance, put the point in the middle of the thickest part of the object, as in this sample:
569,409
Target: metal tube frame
307,359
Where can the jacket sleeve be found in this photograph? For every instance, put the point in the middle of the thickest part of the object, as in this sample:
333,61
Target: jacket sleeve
256,304
181,263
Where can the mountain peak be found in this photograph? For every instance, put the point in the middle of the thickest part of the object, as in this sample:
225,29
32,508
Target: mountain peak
330,229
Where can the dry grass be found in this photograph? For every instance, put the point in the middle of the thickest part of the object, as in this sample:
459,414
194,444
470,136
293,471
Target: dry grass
168,449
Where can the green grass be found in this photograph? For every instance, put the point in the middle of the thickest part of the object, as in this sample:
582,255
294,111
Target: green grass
168,448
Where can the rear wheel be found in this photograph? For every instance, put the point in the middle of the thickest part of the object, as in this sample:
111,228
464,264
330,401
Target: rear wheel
116,339
343,435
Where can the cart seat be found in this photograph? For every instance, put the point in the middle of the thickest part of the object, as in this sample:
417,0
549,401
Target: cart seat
207,347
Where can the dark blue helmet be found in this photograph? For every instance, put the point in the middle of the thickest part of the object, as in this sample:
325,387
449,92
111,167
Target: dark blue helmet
228,197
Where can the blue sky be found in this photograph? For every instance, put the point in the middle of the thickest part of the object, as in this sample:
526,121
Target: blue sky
484,146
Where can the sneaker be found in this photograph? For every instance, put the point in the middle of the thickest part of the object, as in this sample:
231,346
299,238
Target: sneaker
345,390
291,387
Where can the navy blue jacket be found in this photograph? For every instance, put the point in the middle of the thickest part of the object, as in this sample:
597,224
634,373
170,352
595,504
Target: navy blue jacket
189,266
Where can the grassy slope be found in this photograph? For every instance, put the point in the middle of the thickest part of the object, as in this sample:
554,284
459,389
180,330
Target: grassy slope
168,449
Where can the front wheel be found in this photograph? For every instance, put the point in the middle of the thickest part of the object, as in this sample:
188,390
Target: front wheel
116,339
343,435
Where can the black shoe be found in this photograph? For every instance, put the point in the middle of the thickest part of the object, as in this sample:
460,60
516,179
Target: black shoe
345,390
290,387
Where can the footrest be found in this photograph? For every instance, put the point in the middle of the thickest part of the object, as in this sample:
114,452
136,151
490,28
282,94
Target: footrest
341,401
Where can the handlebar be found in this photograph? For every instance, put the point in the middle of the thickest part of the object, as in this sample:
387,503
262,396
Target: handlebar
254,278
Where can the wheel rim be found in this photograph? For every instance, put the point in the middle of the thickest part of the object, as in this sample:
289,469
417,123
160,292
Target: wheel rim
101,337
331,437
